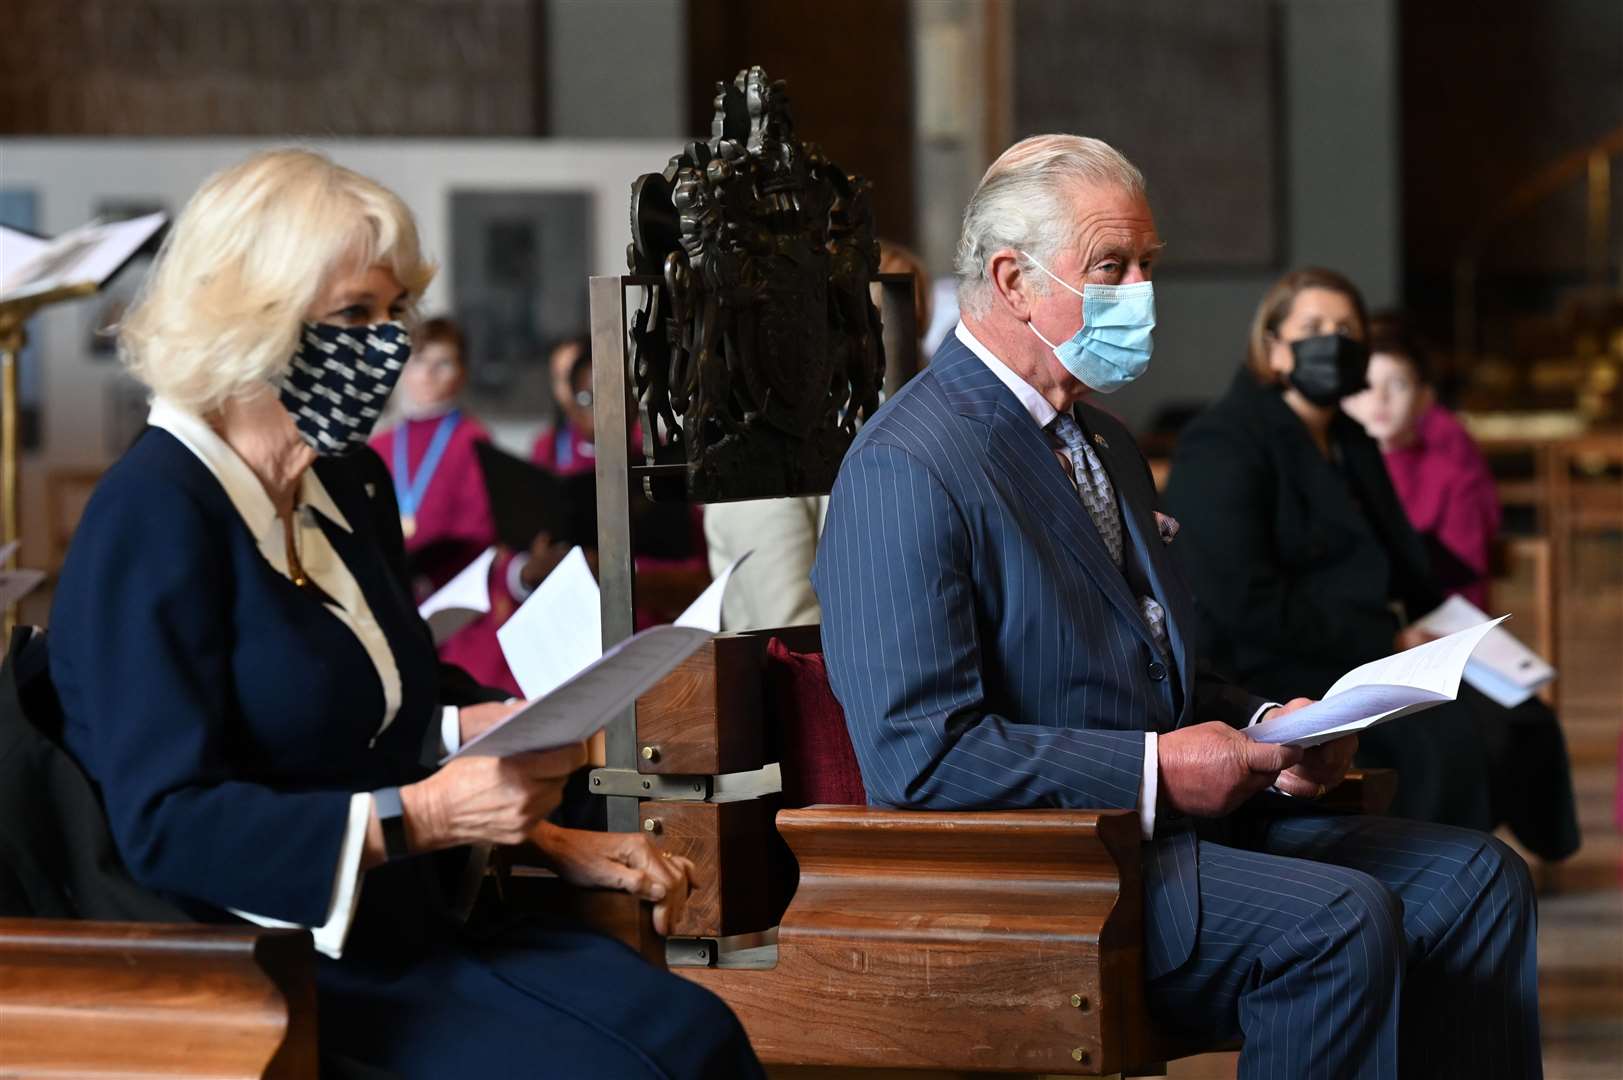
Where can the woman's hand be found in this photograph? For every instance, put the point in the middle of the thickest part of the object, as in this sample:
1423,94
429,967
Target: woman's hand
628,862
1412,635
475,720
487,800
542,559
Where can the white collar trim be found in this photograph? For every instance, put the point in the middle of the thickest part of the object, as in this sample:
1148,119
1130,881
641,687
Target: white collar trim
1037,406
242,487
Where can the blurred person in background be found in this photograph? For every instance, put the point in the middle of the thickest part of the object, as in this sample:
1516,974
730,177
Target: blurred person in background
1440,476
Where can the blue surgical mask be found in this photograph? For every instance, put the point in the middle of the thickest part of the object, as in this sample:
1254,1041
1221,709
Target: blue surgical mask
1113,346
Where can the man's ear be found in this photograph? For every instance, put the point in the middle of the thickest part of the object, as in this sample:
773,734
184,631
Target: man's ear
1012,284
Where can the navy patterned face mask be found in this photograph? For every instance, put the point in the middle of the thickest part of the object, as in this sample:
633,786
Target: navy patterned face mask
340,378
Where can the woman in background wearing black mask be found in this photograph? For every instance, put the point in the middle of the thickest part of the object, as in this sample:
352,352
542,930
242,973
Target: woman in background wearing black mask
1302,561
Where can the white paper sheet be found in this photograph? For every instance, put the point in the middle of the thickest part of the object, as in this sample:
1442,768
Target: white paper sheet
558,631
583,704
88,255
16,584
1379,691
1502,667
705,612
16,249
461,600
6,550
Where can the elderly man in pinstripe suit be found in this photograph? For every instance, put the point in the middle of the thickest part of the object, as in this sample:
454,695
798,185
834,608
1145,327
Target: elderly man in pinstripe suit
1005,628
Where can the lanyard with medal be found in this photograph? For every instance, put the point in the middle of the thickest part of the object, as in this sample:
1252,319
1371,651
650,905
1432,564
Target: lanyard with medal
408,489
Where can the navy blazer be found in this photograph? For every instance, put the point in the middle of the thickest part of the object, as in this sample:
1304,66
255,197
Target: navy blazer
225,714
986,649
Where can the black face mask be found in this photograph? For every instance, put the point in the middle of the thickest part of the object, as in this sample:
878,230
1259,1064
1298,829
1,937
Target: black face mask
1329,368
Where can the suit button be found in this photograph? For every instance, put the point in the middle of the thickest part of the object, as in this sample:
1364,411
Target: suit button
1157,671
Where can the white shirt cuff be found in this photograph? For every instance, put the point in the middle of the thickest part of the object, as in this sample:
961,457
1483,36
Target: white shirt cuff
1258,714
1148,785
515,577
346,894
450,730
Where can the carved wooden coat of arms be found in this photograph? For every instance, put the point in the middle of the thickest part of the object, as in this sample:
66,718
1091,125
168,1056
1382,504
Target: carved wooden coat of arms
760,354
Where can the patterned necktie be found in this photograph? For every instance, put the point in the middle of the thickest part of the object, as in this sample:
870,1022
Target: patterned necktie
1092,483
1099,497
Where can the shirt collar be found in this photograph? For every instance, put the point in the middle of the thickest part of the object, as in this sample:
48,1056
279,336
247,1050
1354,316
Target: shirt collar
242,487
1030,399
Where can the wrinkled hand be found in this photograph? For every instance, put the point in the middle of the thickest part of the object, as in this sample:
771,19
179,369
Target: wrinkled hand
1208,770
629,862
487,800
475,720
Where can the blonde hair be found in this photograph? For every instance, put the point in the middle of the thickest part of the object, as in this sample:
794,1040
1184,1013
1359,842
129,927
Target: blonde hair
221,311
1276,308
1020,205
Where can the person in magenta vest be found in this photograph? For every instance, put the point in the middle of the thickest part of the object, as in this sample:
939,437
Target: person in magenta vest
1440,476
444,509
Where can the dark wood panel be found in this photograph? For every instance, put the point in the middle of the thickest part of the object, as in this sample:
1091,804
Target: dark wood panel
731,845
273,67
706,717
90,999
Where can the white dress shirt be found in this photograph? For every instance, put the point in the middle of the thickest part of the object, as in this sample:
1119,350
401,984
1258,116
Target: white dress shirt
349,605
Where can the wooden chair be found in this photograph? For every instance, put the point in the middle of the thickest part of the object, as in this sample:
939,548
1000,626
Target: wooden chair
995,941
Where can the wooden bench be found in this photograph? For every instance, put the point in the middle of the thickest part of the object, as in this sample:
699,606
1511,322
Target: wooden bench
849,936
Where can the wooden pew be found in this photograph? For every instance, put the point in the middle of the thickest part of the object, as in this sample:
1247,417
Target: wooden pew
100,999
848,936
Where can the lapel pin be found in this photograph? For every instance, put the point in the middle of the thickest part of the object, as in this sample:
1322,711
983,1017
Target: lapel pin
1099,440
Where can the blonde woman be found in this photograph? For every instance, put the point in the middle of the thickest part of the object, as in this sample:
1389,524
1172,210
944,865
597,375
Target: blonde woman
244,675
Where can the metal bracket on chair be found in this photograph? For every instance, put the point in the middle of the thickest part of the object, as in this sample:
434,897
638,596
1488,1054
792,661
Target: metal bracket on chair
630,782
690,952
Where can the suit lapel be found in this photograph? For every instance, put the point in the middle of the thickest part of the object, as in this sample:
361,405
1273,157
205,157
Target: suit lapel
1020,452
1138,500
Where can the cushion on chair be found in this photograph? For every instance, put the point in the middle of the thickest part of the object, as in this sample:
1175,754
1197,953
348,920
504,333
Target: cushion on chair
814,748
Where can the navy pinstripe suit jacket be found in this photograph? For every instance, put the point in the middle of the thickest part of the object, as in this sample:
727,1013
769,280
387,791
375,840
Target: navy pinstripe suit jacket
986,649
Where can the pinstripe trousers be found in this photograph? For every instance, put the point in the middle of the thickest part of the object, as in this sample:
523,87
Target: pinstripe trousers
1344,947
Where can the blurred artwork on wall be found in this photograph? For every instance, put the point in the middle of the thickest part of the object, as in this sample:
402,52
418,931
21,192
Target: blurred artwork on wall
1189,92
113,301
19,209
518,282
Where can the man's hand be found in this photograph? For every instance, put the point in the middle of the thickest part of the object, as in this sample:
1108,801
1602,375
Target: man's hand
1322,767
626,861
1210,769
544,556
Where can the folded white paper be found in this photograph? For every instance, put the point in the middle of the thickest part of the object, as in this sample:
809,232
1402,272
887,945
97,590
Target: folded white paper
1502,667
16,584
1379,691
553,646
584,704
461,600
558,631
88,255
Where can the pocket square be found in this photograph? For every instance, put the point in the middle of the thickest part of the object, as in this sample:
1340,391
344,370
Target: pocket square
1167,525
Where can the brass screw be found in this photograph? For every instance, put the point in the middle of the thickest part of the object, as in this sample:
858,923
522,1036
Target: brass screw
1079,1055
650,753
1079,1002
650,825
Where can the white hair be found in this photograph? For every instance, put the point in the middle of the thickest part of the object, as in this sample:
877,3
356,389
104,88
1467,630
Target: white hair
1021,205
220,312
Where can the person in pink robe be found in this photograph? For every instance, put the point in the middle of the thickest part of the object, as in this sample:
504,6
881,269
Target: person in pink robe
444,510
1440,476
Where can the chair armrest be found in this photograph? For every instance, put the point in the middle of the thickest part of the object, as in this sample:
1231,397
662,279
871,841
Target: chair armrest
93,999
1364,791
